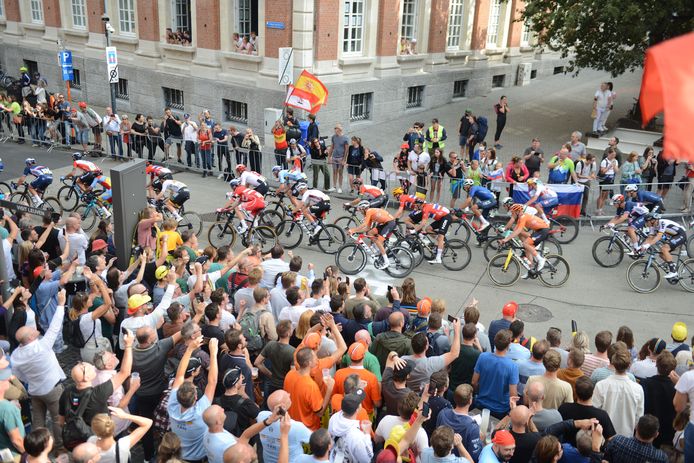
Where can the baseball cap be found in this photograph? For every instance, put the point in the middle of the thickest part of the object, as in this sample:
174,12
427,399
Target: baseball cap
351,402
312,340
202,259
424,306
136,301
82,104
679,331
231,377
292,141
405,146
503,437
510,309
468,111
193,364
161,272
98,245
186,116
5,374
356,351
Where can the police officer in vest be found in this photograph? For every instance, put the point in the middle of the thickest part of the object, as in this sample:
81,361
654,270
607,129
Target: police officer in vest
435,136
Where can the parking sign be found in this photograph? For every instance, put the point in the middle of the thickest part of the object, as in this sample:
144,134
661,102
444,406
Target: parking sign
65,59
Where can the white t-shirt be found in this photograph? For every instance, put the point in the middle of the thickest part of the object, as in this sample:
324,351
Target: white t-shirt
109,456
390,421
7,249
602,98
609,167
190,130
292,313
685,385
417,160
87,326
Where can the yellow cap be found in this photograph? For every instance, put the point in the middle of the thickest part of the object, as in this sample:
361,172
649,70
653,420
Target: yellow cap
161,272
679,331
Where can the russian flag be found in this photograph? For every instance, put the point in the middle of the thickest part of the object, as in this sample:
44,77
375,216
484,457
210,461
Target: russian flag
570,197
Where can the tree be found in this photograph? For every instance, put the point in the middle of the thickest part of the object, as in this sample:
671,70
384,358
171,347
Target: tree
609,35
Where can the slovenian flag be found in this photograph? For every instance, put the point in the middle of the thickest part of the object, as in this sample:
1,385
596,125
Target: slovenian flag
569,196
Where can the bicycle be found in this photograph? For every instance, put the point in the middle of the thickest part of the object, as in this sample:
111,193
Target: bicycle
549,246
466,227
456,254
189,220
223,232
70,194
50,203
566,227
5,189
643,275
276,211
504,268
290,233
351,220
90,210
608,251
352,257
690,240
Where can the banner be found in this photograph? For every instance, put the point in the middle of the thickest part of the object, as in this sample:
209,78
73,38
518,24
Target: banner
308,92
570,197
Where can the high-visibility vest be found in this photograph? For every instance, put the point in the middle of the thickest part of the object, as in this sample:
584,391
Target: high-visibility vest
439,135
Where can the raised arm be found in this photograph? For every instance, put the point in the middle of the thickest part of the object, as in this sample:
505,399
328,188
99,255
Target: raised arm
127,365
44,236
57,321
143,424
181,372
448,357
212,372
329,321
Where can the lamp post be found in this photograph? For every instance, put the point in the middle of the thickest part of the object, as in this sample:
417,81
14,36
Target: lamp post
108,30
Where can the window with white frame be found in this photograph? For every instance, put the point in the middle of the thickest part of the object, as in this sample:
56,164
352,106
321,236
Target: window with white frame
455,24
360,109
243,17
180,17
36,8
493,27
79,14
2,8
408,29
353,27
126,17
525,36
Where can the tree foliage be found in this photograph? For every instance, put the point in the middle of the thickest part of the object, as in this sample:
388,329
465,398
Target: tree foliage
610,35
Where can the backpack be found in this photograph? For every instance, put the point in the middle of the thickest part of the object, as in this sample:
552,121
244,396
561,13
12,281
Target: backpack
433,350
482,128
415,326
231,422
76,431
340,453
73,334
250,326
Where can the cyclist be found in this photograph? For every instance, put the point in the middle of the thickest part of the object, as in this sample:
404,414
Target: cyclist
481,199
647,198
635,213
285,177
245,202
377,224
252,179
86,171
106,196
532,230
44,177
406,201
374,195
313,203
671,233
508,203
542,197
179,195
441,220
157,175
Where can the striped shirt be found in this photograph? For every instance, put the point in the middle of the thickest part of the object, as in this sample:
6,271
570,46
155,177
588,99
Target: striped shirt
592,362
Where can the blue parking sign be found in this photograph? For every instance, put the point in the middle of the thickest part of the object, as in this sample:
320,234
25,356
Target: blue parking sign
65,59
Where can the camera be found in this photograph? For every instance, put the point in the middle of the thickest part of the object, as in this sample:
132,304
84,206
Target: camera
110,28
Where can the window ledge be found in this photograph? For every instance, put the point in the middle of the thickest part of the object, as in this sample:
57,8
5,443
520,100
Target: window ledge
494,51
242,57
355,60
527,49
458,53
177,48
3,22
124,39
34,26
411,58
75,32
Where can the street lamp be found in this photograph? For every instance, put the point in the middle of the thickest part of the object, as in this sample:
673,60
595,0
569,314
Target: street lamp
108,30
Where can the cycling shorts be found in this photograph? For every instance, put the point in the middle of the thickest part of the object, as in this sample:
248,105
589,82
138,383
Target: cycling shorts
637,222
262,188
674,241
320,208
538,236
441,226
180,197
87,178
548,203
253,206
294,190
379,202
386,228
486,204
42,182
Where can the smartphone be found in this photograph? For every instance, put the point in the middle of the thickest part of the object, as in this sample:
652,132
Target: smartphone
55,217
425,409
451,318
124,330
200,297
574,327
390,288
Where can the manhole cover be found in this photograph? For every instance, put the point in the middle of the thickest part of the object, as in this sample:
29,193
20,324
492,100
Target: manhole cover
533,313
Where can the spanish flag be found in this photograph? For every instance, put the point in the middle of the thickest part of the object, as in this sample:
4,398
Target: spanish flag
667,86
307,92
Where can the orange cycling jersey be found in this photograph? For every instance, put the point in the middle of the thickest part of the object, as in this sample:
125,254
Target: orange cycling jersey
407,201
246,194
531,222
377,216
372,191
436,211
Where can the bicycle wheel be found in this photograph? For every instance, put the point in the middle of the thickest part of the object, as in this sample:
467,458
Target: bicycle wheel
20,197
289,234
191,221
5,189
502,274
221,233
277,207
690,246
686,273
412,244
401,262
492,248
88,216
68,197
350,259
555,272
52,204
346,221
608,252
330,238
550,246
264,237
568,229
270,218
462,232
641,278
456,255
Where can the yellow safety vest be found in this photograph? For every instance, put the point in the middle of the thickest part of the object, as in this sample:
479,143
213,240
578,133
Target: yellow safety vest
430,145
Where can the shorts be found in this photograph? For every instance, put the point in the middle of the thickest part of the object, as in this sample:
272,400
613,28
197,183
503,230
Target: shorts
253,206
97,129
456,187
180,197
675,241
381,201
386,228
82,136
107,196
486,204
262,188
320,208
538,236
42,182
548,203
415,216
87,178
170,140
337,162
606,181
354,170
441,226
637,222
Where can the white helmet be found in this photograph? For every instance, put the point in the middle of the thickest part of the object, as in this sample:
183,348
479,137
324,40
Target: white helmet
363,205
507,201
234,182
468,182
301,186
631,187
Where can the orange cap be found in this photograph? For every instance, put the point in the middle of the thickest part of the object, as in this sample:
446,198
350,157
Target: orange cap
424,307
357,351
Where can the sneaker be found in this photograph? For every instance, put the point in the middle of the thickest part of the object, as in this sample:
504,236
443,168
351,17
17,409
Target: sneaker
339,190
219,177
381,264
525,276
540,262
331,189
437,260
483,227
669,275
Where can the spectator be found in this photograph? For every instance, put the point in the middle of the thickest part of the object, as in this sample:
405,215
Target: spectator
533,157
38,444
308,403
104,428
11,426
658,395
405,408
542,417
508,315
337,156
599,359
46,295
443,443
532,366
392,340
516,351
319,157
554,339
500,450
645,367
463,366
573,372
371,388
356,435
79,241
299,434
679,339
460,421
557,391
394,383
639,448
604,372
279,355
362,296
496,377
426,366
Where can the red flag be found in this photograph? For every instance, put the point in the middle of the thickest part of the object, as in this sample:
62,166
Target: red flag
667,86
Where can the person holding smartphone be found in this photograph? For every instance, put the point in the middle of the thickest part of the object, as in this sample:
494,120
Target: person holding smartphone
533,156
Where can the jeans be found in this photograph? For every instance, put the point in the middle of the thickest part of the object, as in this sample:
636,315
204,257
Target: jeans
281,159
190,150
67,128
222,154
206,155
114,140
322,167
82,136
40,404
255,160
41,130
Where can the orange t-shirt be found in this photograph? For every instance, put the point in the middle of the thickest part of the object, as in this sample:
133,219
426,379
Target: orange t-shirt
531,222
372,391
306,399
377,216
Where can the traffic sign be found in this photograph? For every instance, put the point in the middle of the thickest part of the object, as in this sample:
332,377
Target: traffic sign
65,59
112,64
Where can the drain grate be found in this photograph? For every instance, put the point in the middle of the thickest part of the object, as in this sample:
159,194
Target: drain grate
533,313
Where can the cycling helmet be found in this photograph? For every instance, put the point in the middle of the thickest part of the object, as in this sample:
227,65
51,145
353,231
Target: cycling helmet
532,181
23,69
508,201
517,208
468,182
618,198
363,205
652,216
77,156
357,181
397,191
234,182
301,186
631,187
30,161
241,168
276,169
